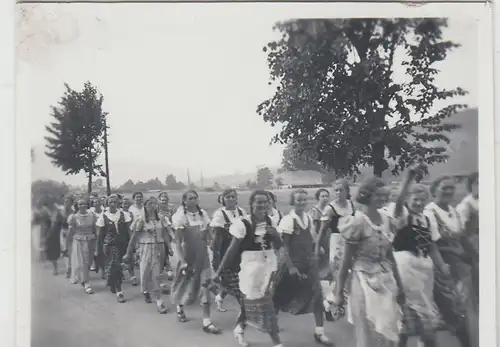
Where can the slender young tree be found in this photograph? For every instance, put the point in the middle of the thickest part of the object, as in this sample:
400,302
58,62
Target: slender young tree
337,95
75,136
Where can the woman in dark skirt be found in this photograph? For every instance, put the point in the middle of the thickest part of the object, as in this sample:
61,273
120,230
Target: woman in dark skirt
253,246
112,243
221,222
299,290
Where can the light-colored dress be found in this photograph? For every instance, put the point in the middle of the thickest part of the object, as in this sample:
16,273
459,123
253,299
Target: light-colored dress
151,252
83,244
455,295
372,302
416,269
186,287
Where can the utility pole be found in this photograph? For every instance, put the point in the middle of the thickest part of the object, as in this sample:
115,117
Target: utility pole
106,159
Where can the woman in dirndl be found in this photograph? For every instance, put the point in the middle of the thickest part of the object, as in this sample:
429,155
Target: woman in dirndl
455,295
336,210
192,237
273,211
417,257
97,207
166,214
468,209
254,245
376,292
221,222
67,210
112,242
151,234
299,290
82,241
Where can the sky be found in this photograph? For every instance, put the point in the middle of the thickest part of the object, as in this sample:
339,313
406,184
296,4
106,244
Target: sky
181,82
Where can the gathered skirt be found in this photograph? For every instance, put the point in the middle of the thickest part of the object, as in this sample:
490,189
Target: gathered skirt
373,309
151,260
421,316
82,255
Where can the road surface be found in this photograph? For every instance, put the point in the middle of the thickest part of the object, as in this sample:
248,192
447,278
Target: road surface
64,316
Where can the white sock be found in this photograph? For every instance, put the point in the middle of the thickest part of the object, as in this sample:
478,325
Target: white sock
330,297
119,293
326,304
218,297
206,322
180,308
159,302
238,329
319,331
280,345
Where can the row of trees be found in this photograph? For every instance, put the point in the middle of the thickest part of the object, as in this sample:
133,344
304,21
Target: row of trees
170,183
78,133
338,103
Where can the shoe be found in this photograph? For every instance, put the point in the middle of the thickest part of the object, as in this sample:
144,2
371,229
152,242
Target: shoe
162,309
240,339
219,302
134,281
211,329
181,317
147,298
89,290
120,298
170,276
323,340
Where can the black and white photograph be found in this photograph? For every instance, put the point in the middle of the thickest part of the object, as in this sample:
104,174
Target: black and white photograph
253,175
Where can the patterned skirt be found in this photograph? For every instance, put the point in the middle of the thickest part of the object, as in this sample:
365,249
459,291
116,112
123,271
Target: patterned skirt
230,283
113,265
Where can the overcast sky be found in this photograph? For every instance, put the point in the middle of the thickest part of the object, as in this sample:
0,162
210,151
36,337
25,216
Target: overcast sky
181,82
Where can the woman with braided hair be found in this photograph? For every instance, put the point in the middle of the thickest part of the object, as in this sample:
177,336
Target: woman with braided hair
112,242
221,222
192,236
417,258
151,234
254,246
166,214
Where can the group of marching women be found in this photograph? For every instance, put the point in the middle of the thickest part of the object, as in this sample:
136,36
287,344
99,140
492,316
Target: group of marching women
395,269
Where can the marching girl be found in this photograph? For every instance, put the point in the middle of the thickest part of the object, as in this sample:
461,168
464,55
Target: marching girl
82,241
273,212
166,214
417,257
97,206
136,210
331,241
192,236
125,205
67,210
221,222
375,288
151,234
254,245
112,242
455,295
299,290
50,221
468,210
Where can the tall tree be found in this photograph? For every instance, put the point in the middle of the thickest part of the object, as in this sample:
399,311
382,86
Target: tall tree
337,94
264,177
75,137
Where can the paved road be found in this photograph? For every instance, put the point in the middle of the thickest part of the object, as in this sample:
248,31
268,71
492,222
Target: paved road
64,316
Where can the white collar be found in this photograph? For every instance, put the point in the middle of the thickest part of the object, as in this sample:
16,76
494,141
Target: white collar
450,218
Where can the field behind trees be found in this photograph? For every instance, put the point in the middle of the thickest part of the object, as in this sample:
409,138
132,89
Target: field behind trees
208,200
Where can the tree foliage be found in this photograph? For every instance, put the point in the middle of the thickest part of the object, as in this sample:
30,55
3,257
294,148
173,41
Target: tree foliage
264,177
337,95
75,136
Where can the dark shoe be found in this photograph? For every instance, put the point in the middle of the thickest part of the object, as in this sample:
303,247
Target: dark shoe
181,317
120,298
147,298
134,281
323,340
211,329
112,289
329,316
162,309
